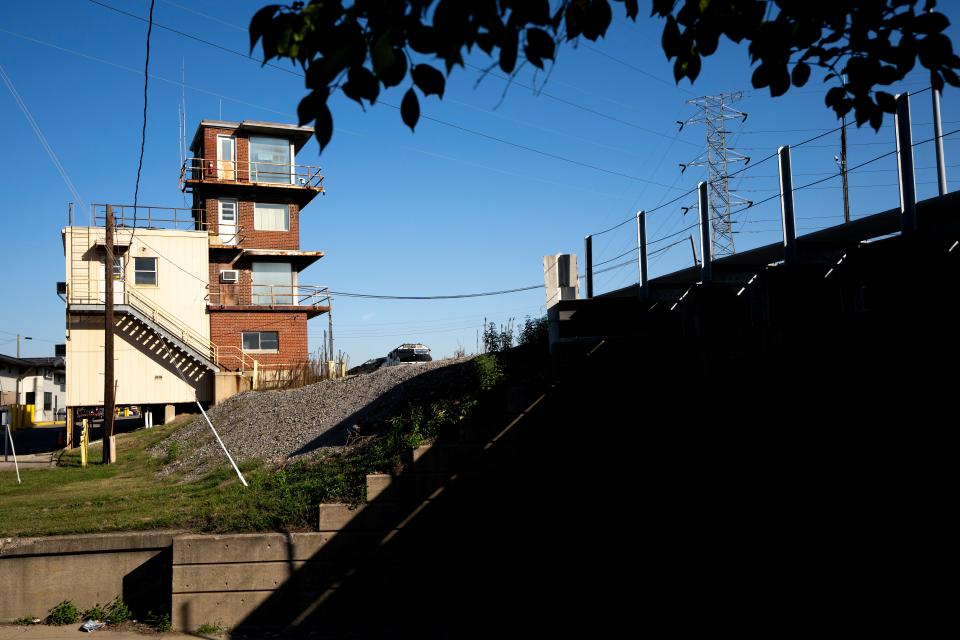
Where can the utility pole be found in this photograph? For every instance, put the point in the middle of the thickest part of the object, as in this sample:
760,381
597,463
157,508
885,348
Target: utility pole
109,455
843,169
18,342
714,113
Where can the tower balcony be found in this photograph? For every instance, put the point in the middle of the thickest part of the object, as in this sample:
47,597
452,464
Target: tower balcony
297,183
268,297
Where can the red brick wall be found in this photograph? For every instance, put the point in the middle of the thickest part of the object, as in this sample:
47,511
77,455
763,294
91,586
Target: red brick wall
250,237
209,151
226,330
229,294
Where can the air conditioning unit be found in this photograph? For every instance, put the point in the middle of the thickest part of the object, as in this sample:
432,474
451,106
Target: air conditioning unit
230,275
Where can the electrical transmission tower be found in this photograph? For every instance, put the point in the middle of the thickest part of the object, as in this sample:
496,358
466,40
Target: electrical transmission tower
714,112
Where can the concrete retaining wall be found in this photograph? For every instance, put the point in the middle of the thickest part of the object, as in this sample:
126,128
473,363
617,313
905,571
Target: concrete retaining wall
36,574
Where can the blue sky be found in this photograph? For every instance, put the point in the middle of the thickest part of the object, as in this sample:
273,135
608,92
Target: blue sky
436,212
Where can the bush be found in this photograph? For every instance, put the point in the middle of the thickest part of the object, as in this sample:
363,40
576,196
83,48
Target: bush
160,622
117,612
534,332
64,613
497,340
488,370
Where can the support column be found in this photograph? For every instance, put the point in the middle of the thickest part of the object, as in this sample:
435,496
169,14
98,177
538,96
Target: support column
908,185
588,259
938,143
706,258
642,253
786,206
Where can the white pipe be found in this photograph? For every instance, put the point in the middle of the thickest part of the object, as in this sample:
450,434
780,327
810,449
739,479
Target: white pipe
215,434
13,449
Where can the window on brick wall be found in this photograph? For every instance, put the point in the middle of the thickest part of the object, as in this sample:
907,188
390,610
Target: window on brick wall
271,217
271,160
261,341
47,401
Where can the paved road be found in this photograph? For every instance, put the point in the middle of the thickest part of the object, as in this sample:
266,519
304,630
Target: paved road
44,632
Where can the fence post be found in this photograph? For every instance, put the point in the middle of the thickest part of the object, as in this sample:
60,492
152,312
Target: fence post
588,258
786,205
908,185
642,253
938,143
706,258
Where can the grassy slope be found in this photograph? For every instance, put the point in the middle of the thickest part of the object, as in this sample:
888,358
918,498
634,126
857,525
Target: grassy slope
128,495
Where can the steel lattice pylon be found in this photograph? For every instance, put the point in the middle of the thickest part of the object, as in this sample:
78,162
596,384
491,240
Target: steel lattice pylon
714,113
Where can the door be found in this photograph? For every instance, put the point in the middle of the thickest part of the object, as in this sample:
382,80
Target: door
117,277
227,221
226,158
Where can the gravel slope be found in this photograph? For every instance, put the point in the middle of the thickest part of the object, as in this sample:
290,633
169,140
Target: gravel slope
274,426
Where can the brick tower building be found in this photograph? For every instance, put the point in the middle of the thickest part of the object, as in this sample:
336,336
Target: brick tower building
250,192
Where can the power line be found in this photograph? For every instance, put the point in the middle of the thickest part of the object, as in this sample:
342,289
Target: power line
423,116
672,85
440,297
143,131
42,138
540,92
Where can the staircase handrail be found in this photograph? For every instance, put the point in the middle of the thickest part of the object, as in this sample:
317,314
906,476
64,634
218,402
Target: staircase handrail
171,323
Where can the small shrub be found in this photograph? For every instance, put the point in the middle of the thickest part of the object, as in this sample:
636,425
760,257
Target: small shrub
160,622
96,612
64,613
173,452
209,629
497,340
117,612
489,371
533,332
26,621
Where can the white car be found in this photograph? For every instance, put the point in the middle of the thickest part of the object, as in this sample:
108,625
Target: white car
408,352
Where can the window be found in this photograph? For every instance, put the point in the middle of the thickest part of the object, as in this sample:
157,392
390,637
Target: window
48,374
261,341
47,401
271,217
145,270
117,268
59,378
273,283
31,397
271,160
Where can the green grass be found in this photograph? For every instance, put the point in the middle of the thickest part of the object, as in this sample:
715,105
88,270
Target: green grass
128,495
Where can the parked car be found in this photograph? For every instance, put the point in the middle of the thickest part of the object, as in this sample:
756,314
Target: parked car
370,365
90,413
408,352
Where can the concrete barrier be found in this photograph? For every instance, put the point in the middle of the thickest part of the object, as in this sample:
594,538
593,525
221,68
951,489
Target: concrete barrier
36,574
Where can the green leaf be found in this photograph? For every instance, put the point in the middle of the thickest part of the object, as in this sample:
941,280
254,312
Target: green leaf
508,51
930,23
429,80
361,84
410,109
671,41
800,74
886,102
539,46
314,107
389,63
262,20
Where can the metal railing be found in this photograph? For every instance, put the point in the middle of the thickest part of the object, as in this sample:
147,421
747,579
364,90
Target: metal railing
162,318
263,173
269,295
149,217
171,324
